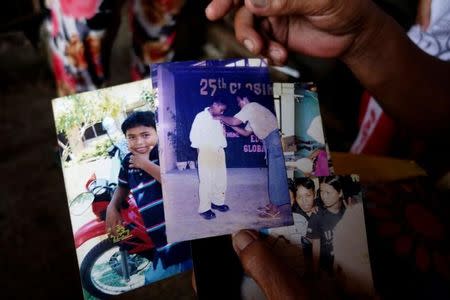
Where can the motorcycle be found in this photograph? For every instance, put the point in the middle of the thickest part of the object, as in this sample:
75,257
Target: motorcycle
116,264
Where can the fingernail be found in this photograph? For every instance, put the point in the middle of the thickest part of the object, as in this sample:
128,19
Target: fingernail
208,10
249,45
242,239
275,54
259,3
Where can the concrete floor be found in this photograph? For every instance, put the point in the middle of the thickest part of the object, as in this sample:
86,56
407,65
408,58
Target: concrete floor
246,191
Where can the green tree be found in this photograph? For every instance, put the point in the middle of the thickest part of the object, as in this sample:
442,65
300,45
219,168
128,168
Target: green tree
76,113
149,97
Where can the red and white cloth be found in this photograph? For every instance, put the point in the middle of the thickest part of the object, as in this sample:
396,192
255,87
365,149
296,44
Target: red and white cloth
377,130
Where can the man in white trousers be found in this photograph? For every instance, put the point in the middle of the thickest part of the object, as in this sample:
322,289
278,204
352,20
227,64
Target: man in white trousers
208,137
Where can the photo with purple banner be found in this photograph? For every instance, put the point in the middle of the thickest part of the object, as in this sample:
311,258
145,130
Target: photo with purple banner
222,163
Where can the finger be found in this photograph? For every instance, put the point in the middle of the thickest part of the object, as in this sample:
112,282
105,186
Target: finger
245,31
112,230
116,228
286,7
218,9
272,275
424,14
109,226
194,282
276,53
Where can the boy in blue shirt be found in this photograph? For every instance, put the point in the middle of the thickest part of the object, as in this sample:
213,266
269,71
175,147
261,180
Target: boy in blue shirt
140,175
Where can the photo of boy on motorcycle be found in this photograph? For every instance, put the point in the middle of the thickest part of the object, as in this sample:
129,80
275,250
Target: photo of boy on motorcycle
140,175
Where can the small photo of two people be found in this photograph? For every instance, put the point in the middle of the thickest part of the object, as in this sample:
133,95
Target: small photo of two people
238,179
329,232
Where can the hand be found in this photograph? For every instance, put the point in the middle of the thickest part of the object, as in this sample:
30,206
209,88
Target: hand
113,219
274,277
138,160
328,28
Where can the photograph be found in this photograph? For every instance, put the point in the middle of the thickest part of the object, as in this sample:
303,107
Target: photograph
222,163
108,145
305,147
328,241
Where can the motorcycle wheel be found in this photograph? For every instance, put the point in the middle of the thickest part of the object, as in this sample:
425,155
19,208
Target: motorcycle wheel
101,271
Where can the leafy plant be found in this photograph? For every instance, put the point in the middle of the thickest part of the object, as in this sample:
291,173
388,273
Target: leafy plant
83,111
149,97
100,149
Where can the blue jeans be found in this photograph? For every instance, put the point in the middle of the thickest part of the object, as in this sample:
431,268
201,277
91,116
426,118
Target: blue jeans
278,184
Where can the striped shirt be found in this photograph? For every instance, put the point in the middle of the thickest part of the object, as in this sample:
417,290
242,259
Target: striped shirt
147,193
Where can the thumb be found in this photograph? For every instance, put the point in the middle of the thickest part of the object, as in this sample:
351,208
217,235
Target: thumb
272,275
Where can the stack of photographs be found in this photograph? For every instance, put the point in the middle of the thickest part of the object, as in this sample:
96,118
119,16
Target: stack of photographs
327,245
159,172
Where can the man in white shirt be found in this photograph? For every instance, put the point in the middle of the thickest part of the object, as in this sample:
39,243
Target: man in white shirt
263,123
208,136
